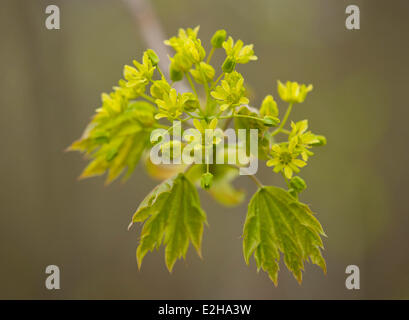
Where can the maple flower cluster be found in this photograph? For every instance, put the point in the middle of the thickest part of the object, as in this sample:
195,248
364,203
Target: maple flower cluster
120,135
225,98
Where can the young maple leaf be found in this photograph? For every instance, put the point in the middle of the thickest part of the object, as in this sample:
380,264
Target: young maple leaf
172,214
276,222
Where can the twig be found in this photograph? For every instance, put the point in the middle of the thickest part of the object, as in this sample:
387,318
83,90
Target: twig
152,33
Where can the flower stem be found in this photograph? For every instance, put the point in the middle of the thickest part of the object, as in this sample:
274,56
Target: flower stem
246,116
210,55
287,114
206,86
192,84
145,96
217,80
252,176
160,71
286,180
193,116
241,116
256,181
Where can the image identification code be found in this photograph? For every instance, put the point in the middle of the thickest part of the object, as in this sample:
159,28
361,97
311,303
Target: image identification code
205,309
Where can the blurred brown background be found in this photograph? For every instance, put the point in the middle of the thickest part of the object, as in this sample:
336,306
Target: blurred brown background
51,82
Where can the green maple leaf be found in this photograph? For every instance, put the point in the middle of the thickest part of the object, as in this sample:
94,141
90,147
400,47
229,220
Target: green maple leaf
115,142
172,215
277,222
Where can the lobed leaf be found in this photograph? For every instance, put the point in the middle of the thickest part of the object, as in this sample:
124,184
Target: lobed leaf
172,215
277,222
116,141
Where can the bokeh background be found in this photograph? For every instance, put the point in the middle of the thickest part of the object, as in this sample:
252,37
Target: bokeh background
50,85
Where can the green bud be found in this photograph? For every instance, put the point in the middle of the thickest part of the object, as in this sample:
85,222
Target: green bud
269,107
175,74
270,121
153,57
218,38
298,184
228,65
206,180
181,62
322,141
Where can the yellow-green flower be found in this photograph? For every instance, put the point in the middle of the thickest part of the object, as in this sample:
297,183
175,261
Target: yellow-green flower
145,68
231,92
178,43
269,107
194,50
303,139
173,104
140,76
237,52
190,102
210,136
203,72
124,90
112,103
284,159
293,92
189,51
159,88
213,136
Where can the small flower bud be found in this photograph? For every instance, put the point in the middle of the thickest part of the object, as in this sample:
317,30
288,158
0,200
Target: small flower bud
153,57
269,107
298,184
228,65
181,62
206,180
218,38
322,141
